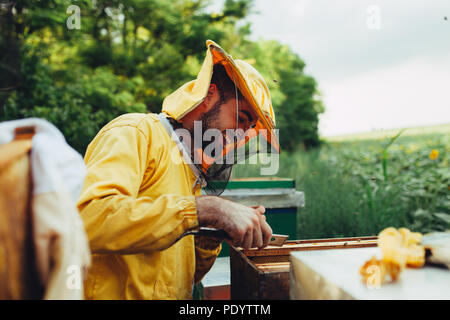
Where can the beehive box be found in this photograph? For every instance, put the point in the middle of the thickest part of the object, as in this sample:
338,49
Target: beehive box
264,274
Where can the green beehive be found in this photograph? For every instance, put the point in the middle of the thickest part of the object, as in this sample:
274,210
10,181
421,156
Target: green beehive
277,195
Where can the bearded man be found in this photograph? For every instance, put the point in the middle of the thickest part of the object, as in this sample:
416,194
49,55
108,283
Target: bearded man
142,191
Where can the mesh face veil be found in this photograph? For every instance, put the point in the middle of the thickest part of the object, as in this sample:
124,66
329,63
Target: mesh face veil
219,172
236,150
248,84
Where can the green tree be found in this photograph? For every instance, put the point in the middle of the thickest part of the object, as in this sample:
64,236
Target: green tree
127,56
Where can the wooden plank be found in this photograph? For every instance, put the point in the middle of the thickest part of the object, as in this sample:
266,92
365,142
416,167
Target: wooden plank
315,244
274,267
335,239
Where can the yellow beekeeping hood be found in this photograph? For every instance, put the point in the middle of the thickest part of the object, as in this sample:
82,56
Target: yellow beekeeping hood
248,80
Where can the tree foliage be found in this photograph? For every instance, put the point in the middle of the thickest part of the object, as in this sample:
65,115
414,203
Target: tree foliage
127,56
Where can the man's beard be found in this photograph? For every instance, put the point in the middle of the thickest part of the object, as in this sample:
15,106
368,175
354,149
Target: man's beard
221,172
210,118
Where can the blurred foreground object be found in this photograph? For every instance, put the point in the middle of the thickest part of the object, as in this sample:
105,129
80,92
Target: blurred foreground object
17,281
402,248
399,249
333,274
437,248
44,252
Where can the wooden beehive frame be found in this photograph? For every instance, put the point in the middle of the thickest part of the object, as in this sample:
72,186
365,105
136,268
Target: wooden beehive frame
264,274
274,259
313,244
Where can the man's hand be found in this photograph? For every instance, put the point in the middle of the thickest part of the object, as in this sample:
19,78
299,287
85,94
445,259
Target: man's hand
246,226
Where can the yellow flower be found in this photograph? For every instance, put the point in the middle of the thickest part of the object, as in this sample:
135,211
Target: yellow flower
434,154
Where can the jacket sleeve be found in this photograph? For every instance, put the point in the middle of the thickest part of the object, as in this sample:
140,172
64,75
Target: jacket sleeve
206,251
116,220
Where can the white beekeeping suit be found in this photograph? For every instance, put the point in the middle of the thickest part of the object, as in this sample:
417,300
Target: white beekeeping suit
61,246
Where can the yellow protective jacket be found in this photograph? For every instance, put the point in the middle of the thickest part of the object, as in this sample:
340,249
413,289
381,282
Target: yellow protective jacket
138,198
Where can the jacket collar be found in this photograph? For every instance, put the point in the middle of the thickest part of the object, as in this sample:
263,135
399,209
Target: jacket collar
200,181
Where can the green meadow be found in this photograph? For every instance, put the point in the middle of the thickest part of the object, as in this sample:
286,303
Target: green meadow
357,185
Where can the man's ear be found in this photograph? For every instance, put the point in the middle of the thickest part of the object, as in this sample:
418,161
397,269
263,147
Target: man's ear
212,96
212,89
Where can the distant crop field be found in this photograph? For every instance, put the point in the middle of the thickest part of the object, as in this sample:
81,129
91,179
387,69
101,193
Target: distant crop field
356,187
372,135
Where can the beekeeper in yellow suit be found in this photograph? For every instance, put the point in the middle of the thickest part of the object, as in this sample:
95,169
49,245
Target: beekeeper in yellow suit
141,193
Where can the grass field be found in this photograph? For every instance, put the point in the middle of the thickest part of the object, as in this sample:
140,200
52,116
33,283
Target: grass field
381,134
358,185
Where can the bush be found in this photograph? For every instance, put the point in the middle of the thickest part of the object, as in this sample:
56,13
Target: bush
359,188
79,103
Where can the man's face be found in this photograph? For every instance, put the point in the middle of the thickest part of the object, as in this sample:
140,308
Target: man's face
230,116
226,117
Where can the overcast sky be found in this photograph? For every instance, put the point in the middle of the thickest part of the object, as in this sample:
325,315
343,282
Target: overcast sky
380,64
